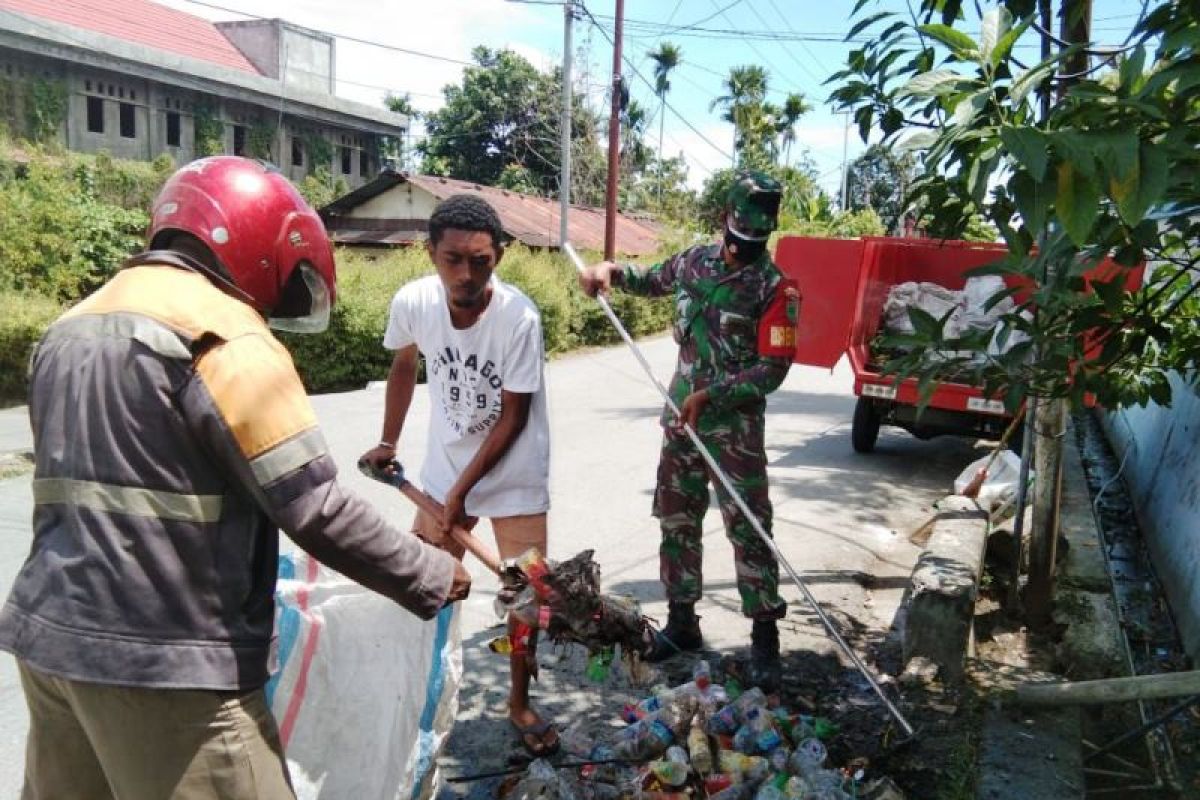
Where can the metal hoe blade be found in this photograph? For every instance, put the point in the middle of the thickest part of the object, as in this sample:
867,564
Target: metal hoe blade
830,628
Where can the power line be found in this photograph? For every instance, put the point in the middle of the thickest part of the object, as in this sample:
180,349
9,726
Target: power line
669,107
786,50
803,46
760,53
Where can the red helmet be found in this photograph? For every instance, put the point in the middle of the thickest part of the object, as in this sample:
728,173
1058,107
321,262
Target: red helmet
266,237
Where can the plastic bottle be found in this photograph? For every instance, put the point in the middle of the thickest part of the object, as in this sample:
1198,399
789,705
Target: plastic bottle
748,699
733,688
797,788
724,721
699,749
744,740
731,762
702,676
645,739
577,740
769,791
677,714
717,782
779,759
808,757
757,768
669,772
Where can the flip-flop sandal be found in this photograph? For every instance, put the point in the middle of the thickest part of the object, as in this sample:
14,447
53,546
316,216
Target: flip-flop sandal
538,730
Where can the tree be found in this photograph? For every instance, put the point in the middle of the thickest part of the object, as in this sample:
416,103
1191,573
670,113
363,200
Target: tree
794,107
503,116
666,58
1109,169
880,179
744,104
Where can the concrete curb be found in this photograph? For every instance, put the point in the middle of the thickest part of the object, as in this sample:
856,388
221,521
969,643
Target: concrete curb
945,585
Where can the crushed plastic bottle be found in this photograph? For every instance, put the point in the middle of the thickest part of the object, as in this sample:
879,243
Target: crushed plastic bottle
779,759
702,676
645,739
678,755
578,740
669,772
700,750
808,757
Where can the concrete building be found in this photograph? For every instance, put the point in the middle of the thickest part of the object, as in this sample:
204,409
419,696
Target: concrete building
137,80
394,208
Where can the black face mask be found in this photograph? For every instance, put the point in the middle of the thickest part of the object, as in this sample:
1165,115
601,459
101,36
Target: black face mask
742,250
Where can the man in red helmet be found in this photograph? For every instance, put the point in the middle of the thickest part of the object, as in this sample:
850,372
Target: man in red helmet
173,439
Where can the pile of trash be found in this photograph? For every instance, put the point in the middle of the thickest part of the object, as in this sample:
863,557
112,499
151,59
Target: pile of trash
700,739
964,311
564,600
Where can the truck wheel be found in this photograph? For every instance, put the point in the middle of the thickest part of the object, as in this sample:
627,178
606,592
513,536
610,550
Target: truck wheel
865,429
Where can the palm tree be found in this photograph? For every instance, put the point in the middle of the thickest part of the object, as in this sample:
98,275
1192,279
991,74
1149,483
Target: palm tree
745,91
794,107
633,128
667,57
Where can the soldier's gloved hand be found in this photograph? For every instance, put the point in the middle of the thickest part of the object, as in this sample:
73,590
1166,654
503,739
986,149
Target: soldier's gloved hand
598,278
693,406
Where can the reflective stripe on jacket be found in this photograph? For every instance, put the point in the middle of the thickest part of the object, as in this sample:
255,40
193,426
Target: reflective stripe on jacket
172,440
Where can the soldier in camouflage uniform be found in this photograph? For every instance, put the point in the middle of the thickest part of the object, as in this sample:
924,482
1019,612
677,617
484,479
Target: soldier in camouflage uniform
735,323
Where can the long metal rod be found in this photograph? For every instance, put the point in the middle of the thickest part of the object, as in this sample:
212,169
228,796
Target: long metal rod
830,628
564,183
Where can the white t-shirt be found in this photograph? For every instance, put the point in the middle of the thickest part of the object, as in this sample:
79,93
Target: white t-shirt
466,371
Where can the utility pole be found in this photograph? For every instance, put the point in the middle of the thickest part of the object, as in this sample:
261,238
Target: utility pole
1051,417
614,138
564,181
845,161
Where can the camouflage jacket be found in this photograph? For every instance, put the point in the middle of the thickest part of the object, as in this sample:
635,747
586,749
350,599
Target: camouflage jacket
735,328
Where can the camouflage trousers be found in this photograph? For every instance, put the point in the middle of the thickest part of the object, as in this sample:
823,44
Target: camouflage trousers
681,500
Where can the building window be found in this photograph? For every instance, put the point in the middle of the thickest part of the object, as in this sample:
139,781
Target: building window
172,129
128,121
239,140
362,163
345,160
95,115
87,84
297,152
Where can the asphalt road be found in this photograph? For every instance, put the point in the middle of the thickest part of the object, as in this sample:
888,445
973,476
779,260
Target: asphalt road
841,519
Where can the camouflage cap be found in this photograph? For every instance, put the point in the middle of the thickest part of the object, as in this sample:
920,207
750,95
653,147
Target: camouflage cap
753,205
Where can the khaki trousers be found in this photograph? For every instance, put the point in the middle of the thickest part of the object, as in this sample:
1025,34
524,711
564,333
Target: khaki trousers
97,742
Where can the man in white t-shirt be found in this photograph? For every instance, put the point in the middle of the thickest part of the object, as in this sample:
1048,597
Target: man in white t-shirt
488,452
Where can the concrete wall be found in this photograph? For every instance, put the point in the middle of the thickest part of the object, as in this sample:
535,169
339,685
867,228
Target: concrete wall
113,91
153,101
308,60
400,202
305,57
258,41
1162,448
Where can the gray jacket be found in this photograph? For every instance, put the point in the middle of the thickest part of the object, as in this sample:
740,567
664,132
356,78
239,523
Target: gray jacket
173,439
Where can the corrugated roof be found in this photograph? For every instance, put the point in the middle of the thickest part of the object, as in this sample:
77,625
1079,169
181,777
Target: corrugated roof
529,219
141,22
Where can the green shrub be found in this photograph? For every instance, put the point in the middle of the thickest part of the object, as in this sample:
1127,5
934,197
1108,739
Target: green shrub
351,353
23,318
57,238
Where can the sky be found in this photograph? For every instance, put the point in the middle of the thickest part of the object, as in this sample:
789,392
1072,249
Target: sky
449,29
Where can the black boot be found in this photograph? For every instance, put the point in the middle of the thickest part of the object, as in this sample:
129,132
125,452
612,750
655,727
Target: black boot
681,633
765,670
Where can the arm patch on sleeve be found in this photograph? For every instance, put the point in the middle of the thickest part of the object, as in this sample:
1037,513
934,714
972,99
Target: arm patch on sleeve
777,328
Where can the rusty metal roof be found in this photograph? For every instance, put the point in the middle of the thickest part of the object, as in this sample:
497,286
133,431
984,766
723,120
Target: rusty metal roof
529,219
